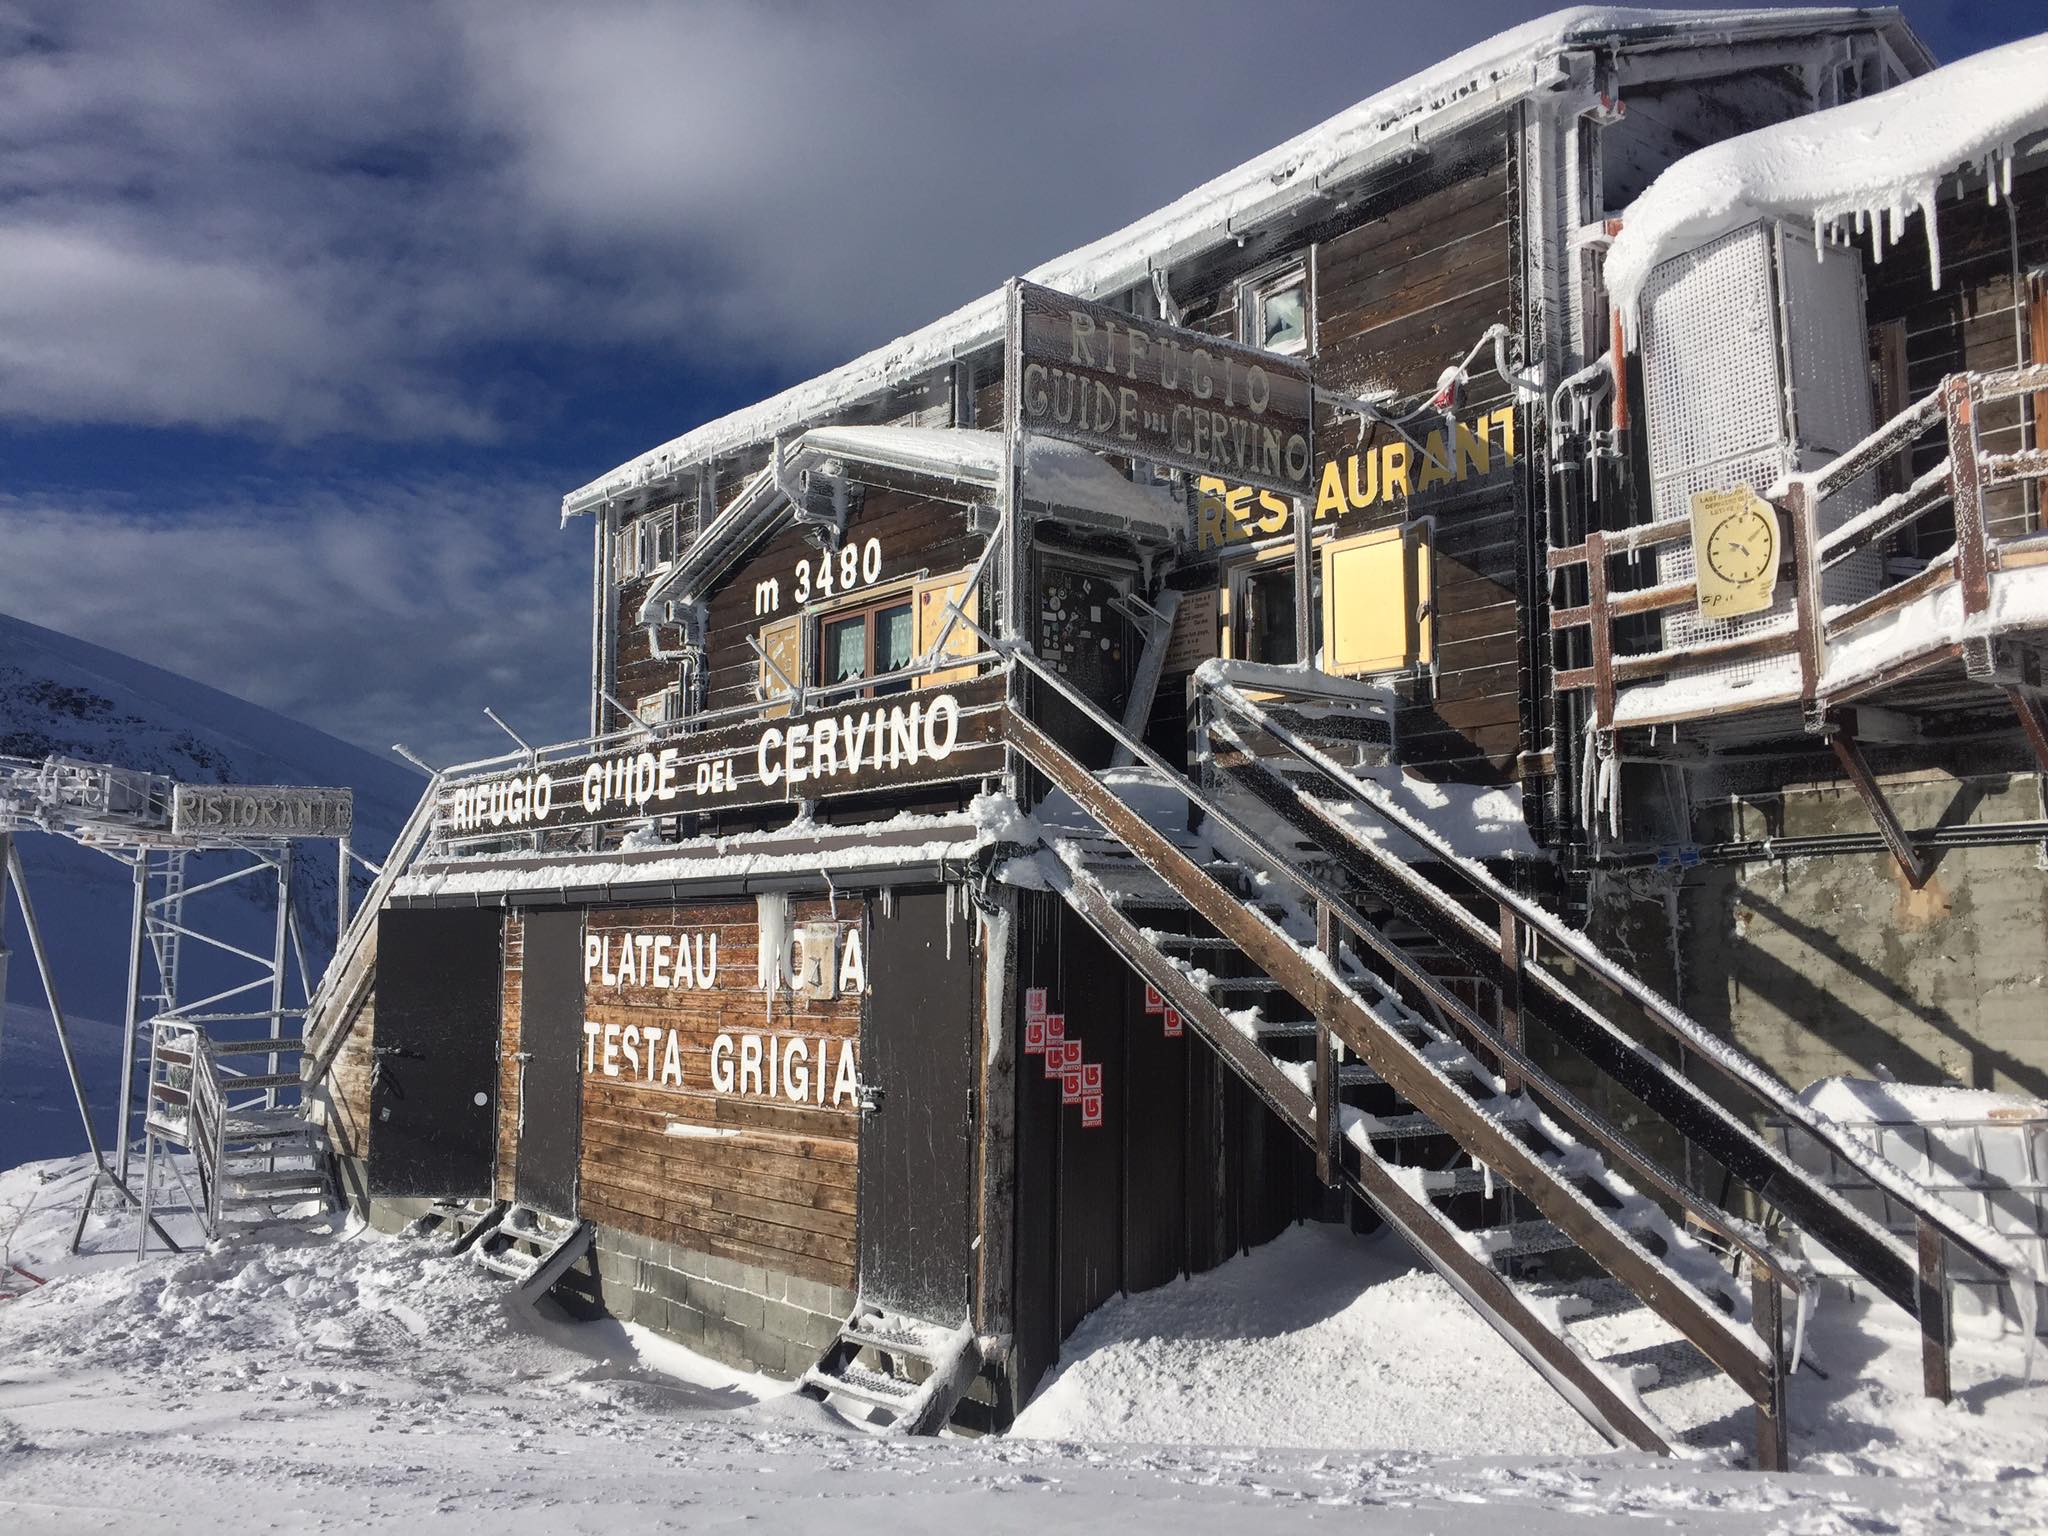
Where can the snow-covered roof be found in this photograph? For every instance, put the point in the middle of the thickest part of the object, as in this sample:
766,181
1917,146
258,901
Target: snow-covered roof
1055,475
1878,158
1427,104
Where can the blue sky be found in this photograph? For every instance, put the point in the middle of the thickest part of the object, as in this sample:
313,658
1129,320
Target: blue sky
309,315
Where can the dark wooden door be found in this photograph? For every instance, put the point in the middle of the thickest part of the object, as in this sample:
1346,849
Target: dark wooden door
916,1143
1083,638
433,1090
550,1085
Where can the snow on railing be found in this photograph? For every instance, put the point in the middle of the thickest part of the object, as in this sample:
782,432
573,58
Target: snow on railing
1814,631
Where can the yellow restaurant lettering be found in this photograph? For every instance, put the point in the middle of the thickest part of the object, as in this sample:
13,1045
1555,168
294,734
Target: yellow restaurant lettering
1225,513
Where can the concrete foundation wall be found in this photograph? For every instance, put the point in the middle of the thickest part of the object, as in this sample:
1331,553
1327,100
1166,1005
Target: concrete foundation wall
741,1315
1834,965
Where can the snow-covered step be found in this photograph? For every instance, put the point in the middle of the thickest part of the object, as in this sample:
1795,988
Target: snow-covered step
1256,985
262,1125
239,1082
1402,1127
283,1045
866,1386
279,1180
1522,1240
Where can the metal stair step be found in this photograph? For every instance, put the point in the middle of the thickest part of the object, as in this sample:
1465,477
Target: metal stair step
281,1180
896,1339
234,1082
1284,1029
1523,1239
1259,984
1358,1074
866,1386
1402,1127
283,1045
262,1125
1173,941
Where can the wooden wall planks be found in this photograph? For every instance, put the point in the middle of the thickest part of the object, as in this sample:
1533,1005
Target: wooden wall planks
758,1181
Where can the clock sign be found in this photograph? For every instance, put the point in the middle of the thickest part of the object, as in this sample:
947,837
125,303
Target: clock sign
1735,552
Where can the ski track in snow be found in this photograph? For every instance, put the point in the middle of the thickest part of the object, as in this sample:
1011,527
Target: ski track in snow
364,1383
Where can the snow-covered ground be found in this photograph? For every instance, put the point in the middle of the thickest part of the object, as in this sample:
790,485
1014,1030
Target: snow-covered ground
358,1382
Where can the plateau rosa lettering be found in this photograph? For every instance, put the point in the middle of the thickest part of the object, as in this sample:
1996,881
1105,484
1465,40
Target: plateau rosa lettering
797,1069
833,746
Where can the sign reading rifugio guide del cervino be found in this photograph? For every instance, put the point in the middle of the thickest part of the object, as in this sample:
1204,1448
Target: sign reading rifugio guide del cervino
1089,374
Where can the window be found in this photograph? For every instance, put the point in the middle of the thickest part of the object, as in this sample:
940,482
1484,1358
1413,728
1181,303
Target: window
658,708
1262,609
932,598
867,642
781,661
1377,609
1273,310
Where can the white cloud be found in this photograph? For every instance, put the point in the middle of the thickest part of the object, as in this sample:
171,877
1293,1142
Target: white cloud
310,219
368,612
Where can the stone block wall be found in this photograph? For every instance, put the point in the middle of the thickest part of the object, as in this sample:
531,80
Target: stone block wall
739,1314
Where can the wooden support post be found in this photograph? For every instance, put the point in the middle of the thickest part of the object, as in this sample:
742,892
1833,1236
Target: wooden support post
2033,720
1773,1433
1973,553
1810,611
1510,1002
1851,758
1329,1114
1935,1330
1601,629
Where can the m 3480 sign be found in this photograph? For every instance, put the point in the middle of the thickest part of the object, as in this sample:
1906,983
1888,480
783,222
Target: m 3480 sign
1089,374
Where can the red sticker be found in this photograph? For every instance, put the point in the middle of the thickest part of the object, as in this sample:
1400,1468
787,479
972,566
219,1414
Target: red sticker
1055,1026
1070,1054
1172,1021
1034,1037
1091,1077
1070,1086
1091,1109
1034,1003
1154,1003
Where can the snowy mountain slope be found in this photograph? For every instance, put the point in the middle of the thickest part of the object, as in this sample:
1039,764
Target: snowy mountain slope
61,696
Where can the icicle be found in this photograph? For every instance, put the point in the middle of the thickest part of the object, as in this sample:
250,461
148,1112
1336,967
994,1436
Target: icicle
1486,1176
1933,242
1802,1314
2005,170
1985,167
1876,237
1820,244
771,957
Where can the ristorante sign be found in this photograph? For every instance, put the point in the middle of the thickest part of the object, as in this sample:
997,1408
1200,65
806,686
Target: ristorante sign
861,745
1089,374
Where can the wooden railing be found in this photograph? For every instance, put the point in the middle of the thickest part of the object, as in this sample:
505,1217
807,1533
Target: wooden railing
1959,482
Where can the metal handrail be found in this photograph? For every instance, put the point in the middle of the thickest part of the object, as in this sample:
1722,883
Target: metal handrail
1763,1088
1784,1269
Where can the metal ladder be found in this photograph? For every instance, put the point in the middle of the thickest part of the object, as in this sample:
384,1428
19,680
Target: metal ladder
255,1164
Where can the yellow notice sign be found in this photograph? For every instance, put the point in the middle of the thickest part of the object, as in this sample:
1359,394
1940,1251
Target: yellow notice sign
1734,552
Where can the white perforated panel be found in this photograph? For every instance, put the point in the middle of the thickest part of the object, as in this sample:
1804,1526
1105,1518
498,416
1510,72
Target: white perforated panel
1710,359
1719,327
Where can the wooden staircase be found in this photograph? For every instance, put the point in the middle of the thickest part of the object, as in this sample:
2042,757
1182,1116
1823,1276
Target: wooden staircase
1333,975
